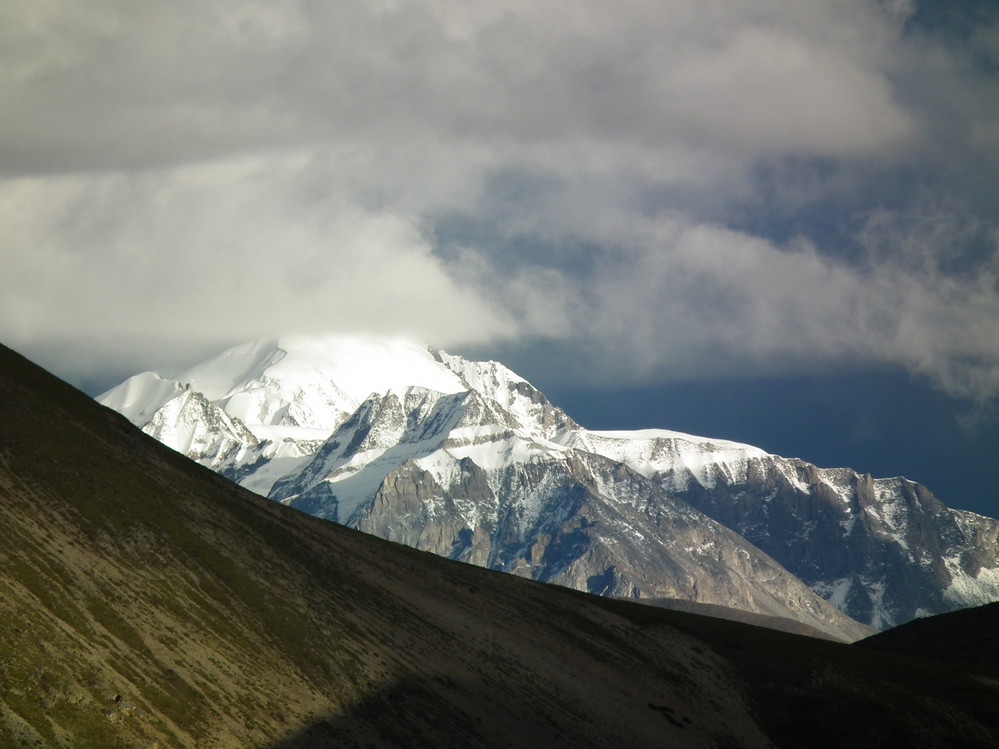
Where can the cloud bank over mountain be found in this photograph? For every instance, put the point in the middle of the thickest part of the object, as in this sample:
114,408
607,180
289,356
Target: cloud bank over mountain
671,190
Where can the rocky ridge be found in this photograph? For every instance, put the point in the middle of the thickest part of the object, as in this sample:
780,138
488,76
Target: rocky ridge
468,460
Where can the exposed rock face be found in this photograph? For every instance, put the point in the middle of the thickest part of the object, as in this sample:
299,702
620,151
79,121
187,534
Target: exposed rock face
883,550
468,460
461,477
191,424
563,524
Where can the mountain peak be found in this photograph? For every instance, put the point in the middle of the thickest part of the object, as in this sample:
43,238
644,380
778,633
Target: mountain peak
468,459
359,365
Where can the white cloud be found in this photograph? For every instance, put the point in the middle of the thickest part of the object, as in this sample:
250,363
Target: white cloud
775,92
222,250
676,299
115,84
209,172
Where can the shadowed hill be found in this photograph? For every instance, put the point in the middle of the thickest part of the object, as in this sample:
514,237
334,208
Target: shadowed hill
145,600
966,638
737,615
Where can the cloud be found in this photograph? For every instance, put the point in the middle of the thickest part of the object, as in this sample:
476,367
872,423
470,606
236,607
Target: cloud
700,299
667,297
115,84
770,91
226,250
677,189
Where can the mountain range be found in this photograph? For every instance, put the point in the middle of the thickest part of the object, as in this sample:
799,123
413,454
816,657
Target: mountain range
147,602
469,461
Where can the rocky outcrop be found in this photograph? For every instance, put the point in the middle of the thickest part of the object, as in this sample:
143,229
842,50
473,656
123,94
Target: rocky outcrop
885,551
453,479
469,460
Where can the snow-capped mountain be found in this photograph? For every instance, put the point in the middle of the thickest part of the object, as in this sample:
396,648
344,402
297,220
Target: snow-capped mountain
885,551
468,460
265,406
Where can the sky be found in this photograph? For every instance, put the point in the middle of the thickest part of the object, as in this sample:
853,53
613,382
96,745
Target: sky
776,222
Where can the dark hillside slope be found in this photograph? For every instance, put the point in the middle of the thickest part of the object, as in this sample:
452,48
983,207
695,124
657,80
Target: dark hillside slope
966,638
736,615
145,601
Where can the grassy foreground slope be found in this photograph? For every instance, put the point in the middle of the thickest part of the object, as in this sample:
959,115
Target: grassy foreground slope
146,601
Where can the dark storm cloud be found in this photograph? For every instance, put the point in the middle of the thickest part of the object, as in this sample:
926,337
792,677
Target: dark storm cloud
638,181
